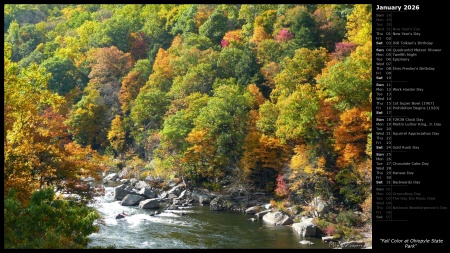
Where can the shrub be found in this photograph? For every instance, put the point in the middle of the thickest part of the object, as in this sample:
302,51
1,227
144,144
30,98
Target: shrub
348,218
329,230
282,189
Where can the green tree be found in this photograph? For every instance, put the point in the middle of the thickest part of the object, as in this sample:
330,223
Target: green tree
65,75
299,21
198,79
117,30
349,83
215,27
239,63
174,133
268,114
147,112
47,222
301,69
88,120
185,23
219,131
248,13
297,113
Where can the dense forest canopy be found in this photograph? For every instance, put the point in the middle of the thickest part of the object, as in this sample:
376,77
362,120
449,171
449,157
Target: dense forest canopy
275,97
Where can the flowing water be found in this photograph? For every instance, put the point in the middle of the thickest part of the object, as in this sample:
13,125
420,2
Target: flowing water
199,228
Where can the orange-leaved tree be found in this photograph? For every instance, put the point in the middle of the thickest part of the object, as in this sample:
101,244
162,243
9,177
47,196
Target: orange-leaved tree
37,150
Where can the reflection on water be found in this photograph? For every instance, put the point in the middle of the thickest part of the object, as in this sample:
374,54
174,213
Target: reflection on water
198,228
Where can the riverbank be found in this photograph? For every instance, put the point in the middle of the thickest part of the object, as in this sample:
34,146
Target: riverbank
172,196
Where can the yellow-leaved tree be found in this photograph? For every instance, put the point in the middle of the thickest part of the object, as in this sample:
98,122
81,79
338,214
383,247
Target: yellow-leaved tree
37,148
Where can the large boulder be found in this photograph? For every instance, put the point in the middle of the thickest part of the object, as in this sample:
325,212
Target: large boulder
203,197
319,206
120,216
204,200
172,183
183,194
176,190
121,191
305,227
141,184
286,220
262,213
133,181
277,218
149,203
110,178
147,193
164,195
217,204
131,200
177,201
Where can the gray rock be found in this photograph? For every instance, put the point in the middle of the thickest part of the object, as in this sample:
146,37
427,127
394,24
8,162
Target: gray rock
133,181
121,191
163,195
277,218
149,204
329,239
172,196
203,197
172,207
147,193
175,190
171,183
285,221
124,172
120,216
177,201
217,204
262,213
141,184
204,200
292,211
111,177
182,194
319,206
131,200
305,242
305,227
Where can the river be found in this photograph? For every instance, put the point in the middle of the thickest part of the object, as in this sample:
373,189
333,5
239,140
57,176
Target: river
199,228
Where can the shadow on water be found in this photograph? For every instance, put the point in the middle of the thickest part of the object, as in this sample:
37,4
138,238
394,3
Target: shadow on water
200,228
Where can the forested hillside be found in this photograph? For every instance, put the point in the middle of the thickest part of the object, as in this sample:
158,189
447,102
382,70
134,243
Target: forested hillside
273,98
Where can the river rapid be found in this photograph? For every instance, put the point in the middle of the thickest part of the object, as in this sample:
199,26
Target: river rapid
197,227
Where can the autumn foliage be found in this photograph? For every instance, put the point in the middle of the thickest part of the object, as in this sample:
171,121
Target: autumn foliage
275,96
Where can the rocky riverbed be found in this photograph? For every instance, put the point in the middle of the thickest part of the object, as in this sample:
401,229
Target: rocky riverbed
176,198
